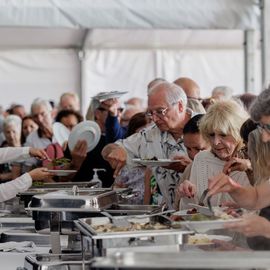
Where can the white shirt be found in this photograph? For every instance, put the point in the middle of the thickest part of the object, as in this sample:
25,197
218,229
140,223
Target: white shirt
10,189
151,142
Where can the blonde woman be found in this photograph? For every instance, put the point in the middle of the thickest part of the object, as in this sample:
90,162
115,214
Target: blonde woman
220,127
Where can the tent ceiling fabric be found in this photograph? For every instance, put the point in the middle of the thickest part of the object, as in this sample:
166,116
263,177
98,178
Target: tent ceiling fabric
139,14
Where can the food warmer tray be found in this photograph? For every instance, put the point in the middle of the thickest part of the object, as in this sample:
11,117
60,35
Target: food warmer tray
25,234
184,260
53,262
99,243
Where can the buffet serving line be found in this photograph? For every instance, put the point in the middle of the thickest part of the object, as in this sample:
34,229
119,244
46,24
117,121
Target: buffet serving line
61,226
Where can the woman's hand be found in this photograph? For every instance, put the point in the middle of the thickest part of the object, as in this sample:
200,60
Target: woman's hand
221,183
186,189
251,225
38,153
40,174
237,164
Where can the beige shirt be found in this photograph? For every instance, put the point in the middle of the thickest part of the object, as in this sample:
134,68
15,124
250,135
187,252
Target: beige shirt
204,166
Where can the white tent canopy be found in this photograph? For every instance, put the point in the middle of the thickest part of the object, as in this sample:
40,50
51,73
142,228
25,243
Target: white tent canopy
50,47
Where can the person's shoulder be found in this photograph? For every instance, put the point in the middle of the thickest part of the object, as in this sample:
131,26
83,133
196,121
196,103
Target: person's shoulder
32,136
203,154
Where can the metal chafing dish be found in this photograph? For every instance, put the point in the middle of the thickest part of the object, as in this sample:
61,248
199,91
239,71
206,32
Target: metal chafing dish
25,234
184,260
53,262
98,243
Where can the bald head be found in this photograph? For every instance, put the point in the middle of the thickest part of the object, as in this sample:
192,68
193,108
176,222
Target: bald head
190,87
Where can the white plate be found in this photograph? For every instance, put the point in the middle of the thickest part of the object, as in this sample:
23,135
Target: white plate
107,95
86,130
159,162
206,225
62,172
60,132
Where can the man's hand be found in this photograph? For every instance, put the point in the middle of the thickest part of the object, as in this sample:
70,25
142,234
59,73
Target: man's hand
116,156
78,154
38,153
111,105
179,166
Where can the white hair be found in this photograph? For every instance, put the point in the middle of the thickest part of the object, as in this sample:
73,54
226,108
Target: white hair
174,93
39,101
224,92
13,120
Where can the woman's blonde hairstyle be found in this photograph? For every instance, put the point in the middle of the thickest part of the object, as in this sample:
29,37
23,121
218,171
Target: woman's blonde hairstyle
259,152
225,117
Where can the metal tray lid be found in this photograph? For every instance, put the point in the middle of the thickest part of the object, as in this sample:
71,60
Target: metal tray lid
66,200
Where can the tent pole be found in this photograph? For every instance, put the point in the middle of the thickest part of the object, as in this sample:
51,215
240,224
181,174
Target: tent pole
81,55
249,52
265,42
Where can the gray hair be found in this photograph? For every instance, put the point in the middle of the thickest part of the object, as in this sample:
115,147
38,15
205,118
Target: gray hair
13,120
39,101
261,106
224,91
174,93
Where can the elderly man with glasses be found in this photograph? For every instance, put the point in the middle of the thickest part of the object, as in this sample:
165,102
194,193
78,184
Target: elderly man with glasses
162,140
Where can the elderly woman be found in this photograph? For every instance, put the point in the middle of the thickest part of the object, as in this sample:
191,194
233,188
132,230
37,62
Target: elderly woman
220,126
256,197
12,130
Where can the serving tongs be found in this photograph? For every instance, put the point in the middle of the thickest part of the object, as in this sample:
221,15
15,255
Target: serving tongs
118,222
208,211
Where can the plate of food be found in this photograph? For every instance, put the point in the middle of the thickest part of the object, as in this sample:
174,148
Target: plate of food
153,162
201,223
108,95
62,172
206,239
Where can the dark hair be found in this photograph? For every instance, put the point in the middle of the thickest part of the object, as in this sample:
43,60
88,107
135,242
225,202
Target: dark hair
136,121
247,99
13,107
248,126
261,105
27,117
192,126
66,113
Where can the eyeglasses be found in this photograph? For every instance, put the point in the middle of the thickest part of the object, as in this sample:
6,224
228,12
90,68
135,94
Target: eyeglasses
101,109
159,112
262,127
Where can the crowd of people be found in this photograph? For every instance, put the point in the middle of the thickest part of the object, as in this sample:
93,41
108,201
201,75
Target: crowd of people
220,143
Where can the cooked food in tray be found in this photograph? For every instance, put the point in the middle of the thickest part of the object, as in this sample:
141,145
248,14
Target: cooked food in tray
133,227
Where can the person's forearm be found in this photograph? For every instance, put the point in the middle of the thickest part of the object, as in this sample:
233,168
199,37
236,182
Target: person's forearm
245,197
8,154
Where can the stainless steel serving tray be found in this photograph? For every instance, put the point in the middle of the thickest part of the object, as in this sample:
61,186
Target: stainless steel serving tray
60,185
87,227
53,262
65,200
25,234
102,243
184,260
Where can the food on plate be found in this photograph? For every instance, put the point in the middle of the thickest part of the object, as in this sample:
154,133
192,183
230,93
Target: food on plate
60,162
192,211
133,227
37,184
198,239
201,217
153,158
